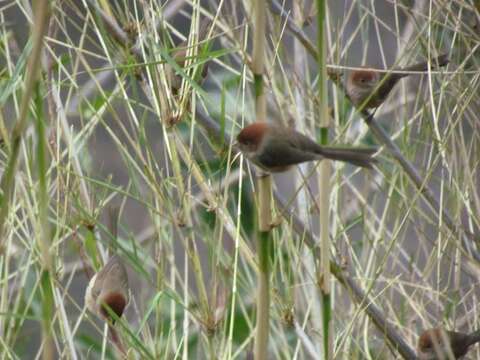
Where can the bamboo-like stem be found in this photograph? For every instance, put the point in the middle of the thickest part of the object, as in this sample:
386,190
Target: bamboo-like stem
264,189
42,15
41,162
258,59
106,7
41,19
300,61
43,232
324,275
264,184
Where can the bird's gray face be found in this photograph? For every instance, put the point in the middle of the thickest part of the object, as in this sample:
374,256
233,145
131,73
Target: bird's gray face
250,138
248,148
434,351
366,81
427,355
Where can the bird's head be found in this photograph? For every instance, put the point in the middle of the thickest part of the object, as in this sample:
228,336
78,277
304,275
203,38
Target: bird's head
431,343
364,79
251,137
113,302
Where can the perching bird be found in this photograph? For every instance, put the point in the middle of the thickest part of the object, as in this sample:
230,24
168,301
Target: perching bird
441,344
108,289
180,55
276,148
370,89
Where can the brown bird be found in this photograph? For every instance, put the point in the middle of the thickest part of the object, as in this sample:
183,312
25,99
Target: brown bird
370,88
180,55
441,344
108,289
275,148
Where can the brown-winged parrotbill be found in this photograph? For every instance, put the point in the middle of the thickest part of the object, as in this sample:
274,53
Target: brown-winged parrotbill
438,343
180,55
368,88
108,289
275,148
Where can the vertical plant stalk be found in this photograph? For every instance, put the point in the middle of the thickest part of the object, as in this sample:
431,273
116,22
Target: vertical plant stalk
41,19
42,15
323,273
43,229
264,185
264,188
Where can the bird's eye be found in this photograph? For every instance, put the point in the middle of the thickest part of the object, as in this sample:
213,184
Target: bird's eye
95,293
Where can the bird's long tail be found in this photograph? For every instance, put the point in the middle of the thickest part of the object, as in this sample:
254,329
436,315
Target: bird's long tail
474,337
439,61
356,156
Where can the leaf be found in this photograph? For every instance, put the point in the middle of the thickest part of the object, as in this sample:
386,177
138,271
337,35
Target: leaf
15,80
91,249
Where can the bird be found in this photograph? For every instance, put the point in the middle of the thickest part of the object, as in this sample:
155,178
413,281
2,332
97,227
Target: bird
180,56
108,289
368,89
438,344
275,148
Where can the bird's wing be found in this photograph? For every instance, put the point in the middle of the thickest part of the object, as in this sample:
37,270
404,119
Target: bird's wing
117,273
303,143
459,343
284,153
387,83
113,272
